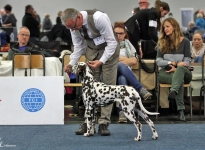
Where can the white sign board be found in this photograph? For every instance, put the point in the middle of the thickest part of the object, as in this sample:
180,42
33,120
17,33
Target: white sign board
33,100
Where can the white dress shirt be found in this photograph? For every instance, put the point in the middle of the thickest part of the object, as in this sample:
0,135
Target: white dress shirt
104,26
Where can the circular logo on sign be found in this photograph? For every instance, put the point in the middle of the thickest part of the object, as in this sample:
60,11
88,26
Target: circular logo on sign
33,100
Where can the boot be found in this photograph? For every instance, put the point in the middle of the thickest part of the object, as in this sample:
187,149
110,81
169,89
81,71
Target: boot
172,95
181,115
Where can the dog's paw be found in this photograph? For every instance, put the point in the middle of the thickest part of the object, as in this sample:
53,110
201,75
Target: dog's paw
86,134
137,139
154,137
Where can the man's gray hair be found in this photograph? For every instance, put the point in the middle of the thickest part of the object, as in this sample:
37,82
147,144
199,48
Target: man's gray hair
24,27
69,13
146,0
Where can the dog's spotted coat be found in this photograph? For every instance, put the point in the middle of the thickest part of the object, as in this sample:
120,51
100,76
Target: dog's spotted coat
99,94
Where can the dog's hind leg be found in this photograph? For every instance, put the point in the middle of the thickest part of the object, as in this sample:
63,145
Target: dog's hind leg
129,113
149,122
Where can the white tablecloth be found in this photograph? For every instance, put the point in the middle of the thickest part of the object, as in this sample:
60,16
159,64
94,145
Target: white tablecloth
53,67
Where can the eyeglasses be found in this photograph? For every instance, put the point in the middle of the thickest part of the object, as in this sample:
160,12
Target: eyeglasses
119,33
26,35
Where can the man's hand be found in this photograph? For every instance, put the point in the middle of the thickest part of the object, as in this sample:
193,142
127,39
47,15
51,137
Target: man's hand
68,68
94,64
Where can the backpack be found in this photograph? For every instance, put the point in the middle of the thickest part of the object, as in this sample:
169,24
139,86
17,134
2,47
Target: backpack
3,37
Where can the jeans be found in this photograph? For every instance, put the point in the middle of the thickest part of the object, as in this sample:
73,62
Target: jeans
198,59
127,77
177,79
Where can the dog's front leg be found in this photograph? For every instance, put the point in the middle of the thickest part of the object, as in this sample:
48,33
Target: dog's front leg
89,126
94,112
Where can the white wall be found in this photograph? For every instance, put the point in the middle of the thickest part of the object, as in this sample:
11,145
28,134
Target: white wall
117,10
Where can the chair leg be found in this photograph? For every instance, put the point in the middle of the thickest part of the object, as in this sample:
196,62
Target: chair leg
204,100
201,99
158,98
190,92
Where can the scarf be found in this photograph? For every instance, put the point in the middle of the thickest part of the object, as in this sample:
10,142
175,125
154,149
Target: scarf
130,50
200,52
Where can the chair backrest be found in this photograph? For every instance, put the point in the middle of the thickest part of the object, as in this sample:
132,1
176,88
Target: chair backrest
66,60
21,61
38,62
28,61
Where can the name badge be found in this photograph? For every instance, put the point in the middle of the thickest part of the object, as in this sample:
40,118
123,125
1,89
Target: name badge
99,40
152,23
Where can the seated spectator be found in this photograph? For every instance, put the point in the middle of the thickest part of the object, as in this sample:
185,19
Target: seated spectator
23,38
200,22
24,46
198,48
192,28
47,24
126,60
173,57
204,37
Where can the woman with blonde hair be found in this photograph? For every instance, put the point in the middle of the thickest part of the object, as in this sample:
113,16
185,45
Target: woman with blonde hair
173,57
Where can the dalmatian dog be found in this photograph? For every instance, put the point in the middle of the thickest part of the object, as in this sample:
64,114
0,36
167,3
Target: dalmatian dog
99,94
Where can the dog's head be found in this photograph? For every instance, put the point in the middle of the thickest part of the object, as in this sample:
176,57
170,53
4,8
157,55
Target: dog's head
79,67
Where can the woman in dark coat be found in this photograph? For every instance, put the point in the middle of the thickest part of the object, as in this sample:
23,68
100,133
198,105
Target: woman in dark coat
144,26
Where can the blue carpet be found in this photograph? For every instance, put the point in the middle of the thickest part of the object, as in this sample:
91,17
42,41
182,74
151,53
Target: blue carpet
62,137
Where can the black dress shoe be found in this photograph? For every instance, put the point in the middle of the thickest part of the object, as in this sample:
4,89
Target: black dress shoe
181,115
172,95
103,130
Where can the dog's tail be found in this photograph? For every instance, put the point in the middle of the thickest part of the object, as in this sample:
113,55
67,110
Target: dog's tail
143,109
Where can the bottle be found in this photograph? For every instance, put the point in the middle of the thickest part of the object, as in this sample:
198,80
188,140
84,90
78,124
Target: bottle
12,37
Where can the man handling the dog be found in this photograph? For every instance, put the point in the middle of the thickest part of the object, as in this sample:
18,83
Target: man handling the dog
92,30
